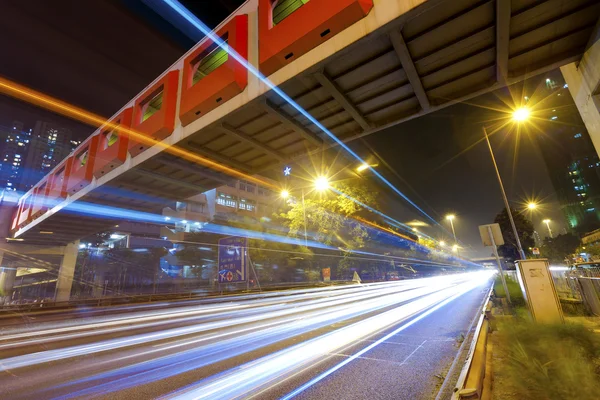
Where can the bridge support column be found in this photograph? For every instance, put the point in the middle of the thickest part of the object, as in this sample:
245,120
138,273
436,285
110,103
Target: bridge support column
66,272
7,281
584,84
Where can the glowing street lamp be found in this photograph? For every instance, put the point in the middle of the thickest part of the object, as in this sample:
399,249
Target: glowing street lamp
442,243
321,183
521,114
285,194
450,217
547,222
532,206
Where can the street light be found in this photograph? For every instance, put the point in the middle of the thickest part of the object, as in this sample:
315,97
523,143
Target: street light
362,167
285,194
519,115
322,183
532,206
450,217
547,222
442,243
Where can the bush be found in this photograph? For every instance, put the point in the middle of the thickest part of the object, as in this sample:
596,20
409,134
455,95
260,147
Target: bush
550,362
514,289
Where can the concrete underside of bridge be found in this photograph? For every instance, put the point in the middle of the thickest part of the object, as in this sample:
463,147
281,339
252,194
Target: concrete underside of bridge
437,53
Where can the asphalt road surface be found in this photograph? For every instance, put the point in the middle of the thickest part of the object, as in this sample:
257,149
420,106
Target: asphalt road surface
392,340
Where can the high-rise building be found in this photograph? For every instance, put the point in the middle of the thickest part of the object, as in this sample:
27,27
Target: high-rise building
15,142
50,144
570,156
27,155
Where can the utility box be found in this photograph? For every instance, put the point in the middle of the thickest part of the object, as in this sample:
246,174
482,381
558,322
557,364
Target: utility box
538,289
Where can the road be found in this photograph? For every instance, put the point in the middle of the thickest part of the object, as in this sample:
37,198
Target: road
390,340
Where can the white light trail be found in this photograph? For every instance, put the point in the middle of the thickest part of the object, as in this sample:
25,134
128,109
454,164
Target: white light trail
246,378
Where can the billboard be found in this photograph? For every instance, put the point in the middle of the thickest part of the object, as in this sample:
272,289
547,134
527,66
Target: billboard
233,263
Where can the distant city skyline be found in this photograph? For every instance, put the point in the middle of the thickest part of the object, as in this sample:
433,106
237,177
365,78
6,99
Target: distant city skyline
28,154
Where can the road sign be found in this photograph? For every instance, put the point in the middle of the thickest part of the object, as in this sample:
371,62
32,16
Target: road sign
535,251
233,259
491,235
484,231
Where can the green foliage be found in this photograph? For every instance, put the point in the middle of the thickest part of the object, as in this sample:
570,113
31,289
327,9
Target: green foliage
524,228
560,247
551,362
514,289
327,219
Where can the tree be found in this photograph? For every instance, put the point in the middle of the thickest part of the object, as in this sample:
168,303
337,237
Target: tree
328,219
560,247
509,249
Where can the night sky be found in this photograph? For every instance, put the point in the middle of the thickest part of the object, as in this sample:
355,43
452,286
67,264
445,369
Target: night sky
98,54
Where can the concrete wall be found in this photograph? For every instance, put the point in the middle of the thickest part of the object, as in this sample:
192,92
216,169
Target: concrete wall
583,79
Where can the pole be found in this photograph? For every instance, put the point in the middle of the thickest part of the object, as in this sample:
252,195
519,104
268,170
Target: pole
454,234
549,230
304,211
255,274
489,228
510,217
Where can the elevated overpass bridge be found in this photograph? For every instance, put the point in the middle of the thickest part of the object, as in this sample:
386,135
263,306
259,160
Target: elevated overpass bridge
357,66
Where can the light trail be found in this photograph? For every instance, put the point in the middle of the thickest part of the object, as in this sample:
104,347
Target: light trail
23,93
26,94
42,100
353,357
192,19
299,322
199,357
92,209
153,319
232,318
247,378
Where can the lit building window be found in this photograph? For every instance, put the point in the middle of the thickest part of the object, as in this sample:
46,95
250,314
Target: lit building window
247,205
226,200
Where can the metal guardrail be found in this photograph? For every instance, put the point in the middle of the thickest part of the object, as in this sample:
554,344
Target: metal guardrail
470,381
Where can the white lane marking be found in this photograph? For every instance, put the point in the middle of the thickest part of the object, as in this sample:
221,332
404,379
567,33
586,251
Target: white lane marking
366,358
413,352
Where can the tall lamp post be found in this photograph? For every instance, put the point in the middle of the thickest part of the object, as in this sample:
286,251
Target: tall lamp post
547,222
450,218
321,184
519,115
